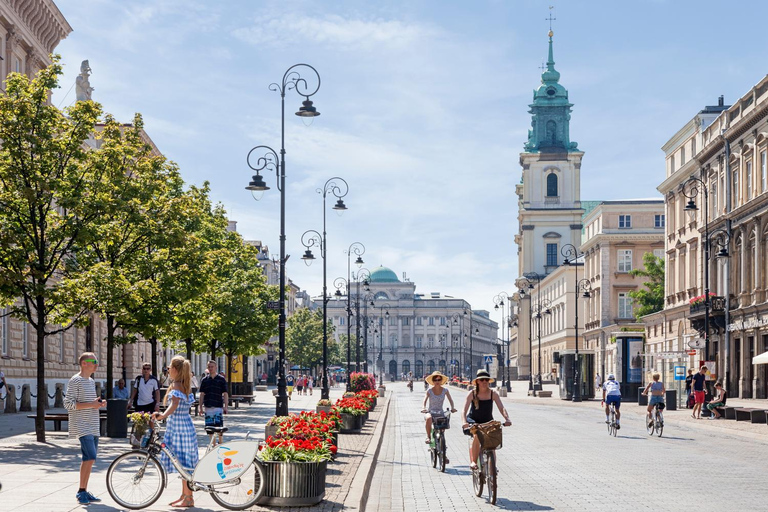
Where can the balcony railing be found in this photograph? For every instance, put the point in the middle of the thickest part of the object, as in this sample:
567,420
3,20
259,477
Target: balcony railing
716,305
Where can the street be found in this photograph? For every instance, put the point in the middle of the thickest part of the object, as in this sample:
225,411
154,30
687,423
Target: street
560,457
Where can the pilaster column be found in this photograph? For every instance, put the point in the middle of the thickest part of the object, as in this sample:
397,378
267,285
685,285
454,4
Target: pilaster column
744,263
758,292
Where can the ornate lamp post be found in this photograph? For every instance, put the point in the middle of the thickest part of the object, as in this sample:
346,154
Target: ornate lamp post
382,315
458,319
357,249
292,79
502,300
362,273
526,284
571,255
338,188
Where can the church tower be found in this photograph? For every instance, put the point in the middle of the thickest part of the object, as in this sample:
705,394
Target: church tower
549,195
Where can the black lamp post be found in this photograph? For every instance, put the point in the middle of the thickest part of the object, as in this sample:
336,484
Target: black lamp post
571,255
362,273
340,283
691,190
502,300
457,319
526,283
357,249
382,315
269,161
339,188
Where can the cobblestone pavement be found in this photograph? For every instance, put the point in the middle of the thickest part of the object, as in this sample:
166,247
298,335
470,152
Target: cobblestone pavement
558,456
43,477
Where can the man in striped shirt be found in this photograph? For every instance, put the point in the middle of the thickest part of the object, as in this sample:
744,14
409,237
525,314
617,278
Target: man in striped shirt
83,406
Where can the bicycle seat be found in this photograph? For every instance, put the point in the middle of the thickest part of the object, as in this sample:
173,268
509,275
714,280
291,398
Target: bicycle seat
215,430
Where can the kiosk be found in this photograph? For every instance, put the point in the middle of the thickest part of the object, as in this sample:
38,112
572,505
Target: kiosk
586,373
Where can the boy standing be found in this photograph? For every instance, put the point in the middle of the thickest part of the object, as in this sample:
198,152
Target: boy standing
698,391
83,407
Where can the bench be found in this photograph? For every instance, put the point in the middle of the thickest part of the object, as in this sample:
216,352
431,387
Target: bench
261,387
744,414
58,418
544,394
237,399
757,416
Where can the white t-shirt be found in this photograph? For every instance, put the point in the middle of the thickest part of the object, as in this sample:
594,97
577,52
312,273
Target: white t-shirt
612,388
147,391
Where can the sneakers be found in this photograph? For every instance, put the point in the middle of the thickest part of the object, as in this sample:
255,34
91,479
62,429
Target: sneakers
82,498
618,427
93,498
711,418
607,422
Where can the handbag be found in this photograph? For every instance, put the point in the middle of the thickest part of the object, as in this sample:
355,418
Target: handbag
489,434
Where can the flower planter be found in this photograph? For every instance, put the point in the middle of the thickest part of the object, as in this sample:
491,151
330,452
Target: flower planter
350,423
271,430
365,417
323,408
293,484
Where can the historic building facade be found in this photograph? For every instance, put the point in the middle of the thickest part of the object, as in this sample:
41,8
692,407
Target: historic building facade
725,148
411,332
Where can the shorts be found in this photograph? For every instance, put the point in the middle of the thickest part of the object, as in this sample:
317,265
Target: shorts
656,400
613,399
89,445
150,407
299,388
290,389
214,417
715,405
699,396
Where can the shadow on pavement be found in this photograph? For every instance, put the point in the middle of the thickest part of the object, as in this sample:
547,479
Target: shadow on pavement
506,504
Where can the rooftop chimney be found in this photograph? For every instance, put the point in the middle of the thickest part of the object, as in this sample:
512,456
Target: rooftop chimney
721,101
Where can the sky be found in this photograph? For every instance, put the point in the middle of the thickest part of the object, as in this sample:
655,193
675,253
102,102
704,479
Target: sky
424,110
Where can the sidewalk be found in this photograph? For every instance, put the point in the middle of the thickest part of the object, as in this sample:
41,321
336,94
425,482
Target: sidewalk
43,477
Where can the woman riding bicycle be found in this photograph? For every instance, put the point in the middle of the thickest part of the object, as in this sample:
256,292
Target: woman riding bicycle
479,404
436,396
657,396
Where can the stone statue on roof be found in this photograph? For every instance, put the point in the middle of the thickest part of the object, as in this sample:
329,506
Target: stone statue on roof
83,89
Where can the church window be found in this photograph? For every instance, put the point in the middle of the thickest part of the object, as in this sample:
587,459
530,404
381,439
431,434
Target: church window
552,185
625,221
551,255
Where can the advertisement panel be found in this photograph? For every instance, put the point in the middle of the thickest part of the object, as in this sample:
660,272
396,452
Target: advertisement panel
711,372
634,354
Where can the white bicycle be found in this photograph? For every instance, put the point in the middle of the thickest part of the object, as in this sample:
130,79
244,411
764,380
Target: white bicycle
230,473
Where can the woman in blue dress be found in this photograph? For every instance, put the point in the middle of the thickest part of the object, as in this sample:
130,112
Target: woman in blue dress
180,436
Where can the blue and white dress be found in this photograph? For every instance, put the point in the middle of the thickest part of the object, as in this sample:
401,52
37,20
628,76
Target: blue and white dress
180,435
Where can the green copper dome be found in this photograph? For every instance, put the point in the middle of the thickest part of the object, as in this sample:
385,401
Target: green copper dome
551,113
383,275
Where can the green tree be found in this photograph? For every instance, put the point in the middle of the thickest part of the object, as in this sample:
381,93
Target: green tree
651,299
50,193
304,339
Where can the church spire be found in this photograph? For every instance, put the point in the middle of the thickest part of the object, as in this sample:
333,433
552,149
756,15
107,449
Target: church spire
550,75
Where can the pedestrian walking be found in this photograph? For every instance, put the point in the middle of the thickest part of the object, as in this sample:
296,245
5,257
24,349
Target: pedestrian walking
145,396
214,399
688,382
299,384
598,382
310,384
180,436
264,378
698,392
289,381
83,406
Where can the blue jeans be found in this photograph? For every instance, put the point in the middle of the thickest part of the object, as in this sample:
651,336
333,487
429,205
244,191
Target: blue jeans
89,445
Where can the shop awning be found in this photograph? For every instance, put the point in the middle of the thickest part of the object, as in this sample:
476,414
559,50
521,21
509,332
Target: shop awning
761,359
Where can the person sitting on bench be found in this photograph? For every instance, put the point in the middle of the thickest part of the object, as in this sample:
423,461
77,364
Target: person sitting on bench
718,401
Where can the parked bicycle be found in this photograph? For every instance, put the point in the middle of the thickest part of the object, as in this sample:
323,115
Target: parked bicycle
437,448
230,473
612,426
485,475
656,423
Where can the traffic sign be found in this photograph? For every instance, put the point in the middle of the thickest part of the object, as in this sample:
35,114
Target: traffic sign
488,359
273,304
697,343
679,372
692,352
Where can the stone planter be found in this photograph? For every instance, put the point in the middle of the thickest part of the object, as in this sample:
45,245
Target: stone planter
293,484
365,417
350,423
321,408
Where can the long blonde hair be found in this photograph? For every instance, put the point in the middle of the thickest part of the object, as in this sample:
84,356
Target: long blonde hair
183,380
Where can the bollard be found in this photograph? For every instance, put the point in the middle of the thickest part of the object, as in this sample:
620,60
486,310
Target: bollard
10,398
58,399
26,399
44,397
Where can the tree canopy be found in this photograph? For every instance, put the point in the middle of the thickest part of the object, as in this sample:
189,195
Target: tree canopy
650,299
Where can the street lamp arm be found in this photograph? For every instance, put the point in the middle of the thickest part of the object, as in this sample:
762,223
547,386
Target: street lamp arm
356,248
690,187
570,253
268,162
339,283
292,79
338,188
312,238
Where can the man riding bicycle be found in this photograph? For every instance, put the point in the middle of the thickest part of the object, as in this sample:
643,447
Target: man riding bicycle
479,404
612,395
657,397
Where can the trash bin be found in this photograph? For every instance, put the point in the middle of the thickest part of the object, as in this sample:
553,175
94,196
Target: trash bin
641,398
117,417
671,399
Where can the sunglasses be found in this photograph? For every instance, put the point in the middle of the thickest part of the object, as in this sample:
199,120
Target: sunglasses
94,361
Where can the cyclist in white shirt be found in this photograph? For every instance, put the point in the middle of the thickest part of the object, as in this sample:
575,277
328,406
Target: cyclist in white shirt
612,395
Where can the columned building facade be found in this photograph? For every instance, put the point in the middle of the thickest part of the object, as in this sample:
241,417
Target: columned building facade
412,332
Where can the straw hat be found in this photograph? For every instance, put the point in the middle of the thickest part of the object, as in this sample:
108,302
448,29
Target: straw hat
430,378
482,374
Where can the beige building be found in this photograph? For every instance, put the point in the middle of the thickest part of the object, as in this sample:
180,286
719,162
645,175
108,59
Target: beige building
617,235
725,148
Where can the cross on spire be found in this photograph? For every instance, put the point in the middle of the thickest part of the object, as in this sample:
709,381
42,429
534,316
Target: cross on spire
543,66
550,18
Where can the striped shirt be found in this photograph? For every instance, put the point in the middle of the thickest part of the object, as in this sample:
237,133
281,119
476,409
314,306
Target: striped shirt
82,422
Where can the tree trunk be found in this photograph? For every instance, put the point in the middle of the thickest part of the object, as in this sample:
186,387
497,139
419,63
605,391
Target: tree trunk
188,343
110,353
153,344
213,350
41,395
229,373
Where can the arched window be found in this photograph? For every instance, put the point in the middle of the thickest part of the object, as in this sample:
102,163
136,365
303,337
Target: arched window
393,369
430,366
442,366
552,185
406,367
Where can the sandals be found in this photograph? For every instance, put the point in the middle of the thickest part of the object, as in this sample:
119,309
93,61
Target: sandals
183,502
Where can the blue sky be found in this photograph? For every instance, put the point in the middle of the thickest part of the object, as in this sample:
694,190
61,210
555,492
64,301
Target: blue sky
423,110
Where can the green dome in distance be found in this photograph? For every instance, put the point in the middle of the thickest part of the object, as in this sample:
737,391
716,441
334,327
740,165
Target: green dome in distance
383,275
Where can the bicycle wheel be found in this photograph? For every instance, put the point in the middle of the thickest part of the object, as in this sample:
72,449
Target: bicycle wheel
441,452
477,478
650,424
135,479
659,425
613,422
243,492
433,450
490,474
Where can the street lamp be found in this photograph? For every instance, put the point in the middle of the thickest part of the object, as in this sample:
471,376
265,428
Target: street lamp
382,315
542,305
571,255
457,319
338,188
357,249
502,300
269,162
690,189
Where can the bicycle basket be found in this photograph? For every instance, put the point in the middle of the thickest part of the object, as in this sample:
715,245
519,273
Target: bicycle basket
489,435
441,421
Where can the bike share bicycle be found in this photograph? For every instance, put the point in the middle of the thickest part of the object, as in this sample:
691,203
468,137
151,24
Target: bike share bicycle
656,423
612,425
437,449
230,473
486,474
